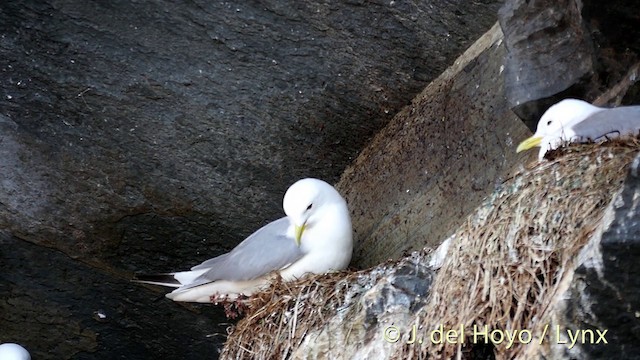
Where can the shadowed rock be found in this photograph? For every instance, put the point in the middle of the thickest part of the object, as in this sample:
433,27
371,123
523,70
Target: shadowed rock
561,49
152,136
59,308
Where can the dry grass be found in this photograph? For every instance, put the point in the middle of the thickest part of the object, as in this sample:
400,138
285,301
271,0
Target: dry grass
277,320
507,262
503,269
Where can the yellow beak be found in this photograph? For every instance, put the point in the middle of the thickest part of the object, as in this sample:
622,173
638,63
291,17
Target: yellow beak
529,143
299,231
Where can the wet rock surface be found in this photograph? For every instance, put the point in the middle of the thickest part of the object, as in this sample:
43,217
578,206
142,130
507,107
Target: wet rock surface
151,136
161,115
60,308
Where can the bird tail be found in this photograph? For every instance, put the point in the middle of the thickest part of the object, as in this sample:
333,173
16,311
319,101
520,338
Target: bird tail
221,290
175,280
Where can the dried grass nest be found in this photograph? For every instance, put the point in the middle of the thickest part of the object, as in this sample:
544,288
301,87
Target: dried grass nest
504,267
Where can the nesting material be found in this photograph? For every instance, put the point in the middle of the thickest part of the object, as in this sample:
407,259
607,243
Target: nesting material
276,321
507,265
504,269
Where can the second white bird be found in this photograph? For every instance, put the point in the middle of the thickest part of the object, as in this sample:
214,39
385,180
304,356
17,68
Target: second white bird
573,120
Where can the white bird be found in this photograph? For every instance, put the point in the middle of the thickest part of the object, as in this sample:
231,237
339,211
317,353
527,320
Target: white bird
11,351
573,120
315,237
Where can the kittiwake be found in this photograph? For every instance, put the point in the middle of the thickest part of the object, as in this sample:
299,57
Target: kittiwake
315,237
573,120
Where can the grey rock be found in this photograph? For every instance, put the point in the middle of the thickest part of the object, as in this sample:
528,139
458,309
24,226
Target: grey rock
59,308
194,119
605,294
566,49
379,318
424,173
148,115
548,51
148,136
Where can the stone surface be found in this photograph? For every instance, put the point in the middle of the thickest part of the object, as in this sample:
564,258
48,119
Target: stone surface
147,136
194,119
568,48
605,293
425,172
59,308
548,51
380,319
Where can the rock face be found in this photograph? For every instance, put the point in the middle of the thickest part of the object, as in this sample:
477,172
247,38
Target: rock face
150,136
605,294
565,51
130,121
437,159
568,48
379,318
62,309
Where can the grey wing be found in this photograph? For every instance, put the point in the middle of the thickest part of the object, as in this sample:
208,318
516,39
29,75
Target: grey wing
265,250
612,122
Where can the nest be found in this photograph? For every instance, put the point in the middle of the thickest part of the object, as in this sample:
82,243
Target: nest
276,321
504,268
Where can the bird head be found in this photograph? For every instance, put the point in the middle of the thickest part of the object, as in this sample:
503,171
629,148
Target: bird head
557,120
304,201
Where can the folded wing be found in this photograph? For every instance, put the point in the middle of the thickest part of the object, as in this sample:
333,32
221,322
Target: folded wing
268,249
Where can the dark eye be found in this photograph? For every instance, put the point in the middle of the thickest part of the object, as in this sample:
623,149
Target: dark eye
309,207
548,122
